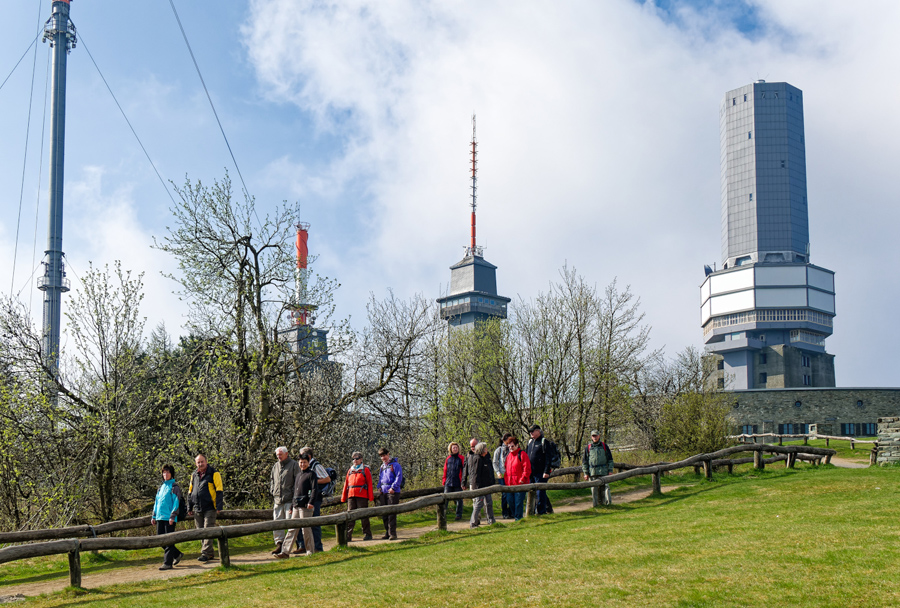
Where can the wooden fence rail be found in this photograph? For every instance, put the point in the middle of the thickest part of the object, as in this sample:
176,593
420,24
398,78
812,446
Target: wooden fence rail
73,547
780,437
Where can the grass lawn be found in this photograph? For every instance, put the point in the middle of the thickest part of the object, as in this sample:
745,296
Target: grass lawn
806,537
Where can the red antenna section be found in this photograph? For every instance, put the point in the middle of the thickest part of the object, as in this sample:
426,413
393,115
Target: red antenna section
302,307
473,249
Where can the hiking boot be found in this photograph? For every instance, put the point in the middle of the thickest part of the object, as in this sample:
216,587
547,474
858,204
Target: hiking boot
458,518
394,537
178,559
281,556
165,567
203,558
298,551
474,525
277,549
386,537
367,537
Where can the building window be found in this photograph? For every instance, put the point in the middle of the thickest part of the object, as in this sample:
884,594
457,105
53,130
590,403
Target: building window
720,364
782,164
749,429
762,358
807,380
797,403
745,97
793,428
804,360
734,101
749,134
720,383
869,429
762,377
751,196
859,403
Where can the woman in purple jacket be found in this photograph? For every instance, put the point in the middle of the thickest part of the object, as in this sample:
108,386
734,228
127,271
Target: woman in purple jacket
390,480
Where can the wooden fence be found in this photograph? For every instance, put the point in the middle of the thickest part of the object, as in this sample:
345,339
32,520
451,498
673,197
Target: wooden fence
435,497
853,440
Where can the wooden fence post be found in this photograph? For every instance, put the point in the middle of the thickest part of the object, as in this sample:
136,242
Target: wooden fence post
852,444
75,566
224,555
707,468
442,516
806,440
758,460
780,437
828,459
790,461
730,467
657,487
826,441
529,502
340,532
696,469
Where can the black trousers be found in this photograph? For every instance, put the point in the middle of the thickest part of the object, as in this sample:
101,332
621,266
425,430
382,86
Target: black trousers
170,552
390,521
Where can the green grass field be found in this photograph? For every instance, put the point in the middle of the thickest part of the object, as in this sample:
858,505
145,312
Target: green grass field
804,537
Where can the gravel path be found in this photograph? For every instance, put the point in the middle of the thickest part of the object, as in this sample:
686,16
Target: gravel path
191,566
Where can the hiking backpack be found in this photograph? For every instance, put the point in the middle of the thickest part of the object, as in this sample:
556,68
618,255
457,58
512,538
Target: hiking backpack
182,503
328,489
552,453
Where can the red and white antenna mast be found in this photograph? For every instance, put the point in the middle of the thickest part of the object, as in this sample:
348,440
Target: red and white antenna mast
302,306
473,249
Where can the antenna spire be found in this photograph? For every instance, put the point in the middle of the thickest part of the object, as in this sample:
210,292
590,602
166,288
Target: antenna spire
474,249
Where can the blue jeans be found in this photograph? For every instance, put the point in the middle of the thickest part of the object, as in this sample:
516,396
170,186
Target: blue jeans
541,502
459,502
517,504
505,509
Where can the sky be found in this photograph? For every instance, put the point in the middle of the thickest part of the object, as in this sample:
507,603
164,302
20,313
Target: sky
598,136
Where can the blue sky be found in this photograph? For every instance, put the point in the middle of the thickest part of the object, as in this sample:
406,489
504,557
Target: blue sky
598,129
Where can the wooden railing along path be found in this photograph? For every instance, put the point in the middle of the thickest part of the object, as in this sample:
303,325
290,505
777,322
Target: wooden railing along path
74,546
780,437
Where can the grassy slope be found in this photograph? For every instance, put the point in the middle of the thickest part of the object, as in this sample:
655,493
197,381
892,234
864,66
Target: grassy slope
822,537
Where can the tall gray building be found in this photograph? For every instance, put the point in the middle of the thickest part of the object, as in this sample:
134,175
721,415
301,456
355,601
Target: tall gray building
767,313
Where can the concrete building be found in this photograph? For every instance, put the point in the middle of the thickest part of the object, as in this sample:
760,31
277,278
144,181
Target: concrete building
767,312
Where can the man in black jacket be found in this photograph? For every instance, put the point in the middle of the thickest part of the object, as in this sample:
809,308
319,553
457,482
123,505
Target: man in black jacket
205,499
480,474
540,467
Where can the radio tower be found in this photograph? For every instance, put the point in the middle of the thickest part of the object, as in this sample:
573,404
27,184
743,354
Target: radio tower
60,31
307,342
473,294
473,249
302,306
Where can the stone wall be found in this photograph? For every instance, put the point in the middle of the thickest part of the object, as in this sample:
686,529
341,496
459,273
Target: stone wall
888,440
826,407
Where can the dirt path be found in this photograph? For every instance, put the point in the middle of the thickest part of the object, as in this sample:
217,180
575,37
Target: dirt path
191,566
849,464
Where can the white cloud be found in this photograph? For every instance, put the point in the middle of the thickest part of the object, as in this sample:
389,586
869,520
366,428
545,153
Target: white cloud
598,129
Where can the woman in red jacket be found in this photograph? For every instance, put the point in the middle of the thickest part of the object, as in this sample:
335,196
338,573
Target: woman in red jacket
518,472
358,491
453,474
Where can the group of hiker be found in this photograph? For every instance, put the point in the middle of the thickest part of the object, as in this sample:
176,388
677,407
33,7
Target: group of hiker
299,486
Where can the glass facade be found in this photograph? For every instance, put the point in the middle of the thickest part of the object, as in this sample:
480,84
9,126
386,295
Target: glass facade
763,153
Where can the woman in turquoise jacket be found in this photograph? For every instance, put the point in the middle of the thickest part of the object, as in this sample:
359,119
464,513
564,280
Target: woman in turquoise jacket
169,498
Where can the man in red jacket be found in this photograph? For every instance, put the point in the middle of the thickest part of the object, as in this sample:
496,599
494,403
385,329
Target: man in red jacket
518,472
358,491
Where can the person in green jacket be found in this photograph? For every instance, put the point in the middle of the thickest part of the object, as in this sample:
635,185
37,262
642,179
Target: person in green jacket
165,514
596,462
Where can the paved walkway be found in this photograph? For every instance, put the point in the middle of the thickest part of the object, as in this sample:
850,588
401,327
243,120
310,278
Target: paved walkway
190,565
